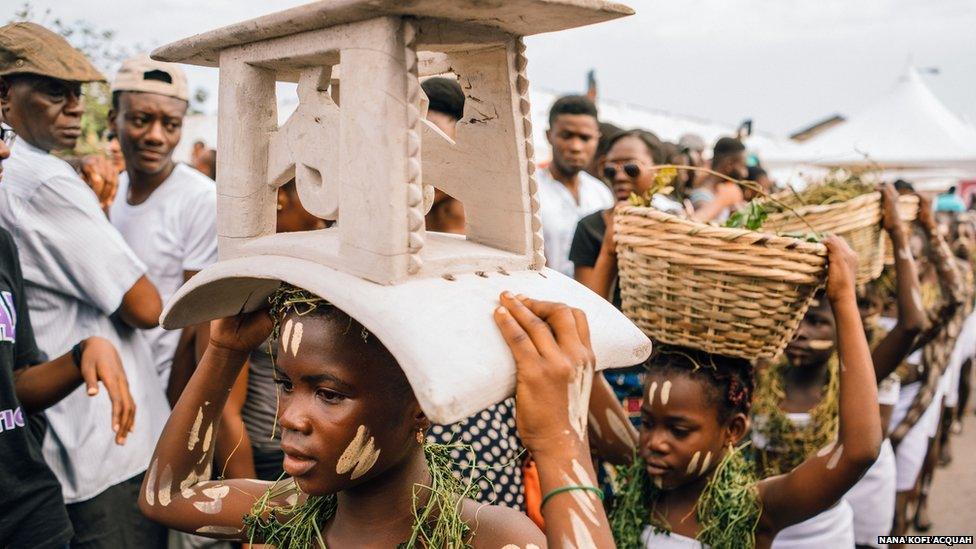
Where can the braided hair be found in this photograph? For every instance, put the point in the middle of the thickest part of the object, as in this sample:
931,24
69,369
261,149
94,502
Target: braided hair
730,380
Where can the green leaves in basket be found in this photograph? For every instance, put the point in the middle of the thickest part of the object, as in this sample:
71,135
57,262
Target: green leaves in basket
751,217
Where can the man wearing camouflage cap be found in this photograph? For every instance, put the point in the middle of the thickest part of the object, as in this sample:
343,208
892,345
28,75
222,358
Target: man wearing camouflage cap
165,211
81,280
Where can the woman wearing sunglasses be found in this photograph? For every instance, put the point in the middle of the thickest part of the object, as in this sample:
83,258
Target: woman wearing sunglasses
629,167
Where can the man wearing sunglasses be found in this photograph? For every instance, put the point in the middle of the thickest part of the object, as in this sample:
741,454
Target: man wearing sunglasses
566,191
81,280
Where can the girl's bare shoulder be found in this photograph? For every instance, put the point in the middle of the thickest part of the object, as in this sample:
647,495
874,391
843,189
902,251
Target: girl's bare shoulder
495,526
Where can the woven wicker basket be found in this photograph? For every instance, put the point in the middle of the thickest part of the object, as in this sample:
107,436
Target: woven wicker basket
907,211
857,220
733,292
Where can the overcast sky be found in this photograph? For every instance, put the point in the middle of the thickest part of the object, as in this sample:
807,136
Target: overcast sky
783,63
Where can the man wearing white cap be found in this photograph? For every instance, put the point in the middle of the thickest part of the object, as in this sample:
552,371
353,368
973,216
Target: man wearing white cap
164,210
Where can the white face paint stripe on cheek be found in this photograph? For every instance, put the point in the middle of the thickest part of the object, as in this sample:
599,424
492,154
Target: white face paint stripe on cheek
665,392
705,463
360,456
693,465
650,394
820,344
296,338
151,483
369,456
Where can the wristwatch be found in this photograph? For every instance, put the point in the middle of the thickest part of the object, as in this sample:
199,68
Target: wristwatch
76,352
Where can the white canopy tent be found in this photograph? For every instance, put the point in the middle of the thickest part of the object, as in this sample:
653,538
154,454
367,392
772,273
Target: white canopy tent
907,133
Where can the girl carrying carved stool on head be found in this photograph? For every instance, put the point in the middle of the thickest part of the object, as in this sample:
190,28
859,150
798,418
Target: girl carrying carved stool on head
352,434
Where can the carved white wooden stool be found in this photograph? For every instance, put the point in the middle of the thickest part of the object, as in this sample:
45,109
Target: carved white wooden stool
363,159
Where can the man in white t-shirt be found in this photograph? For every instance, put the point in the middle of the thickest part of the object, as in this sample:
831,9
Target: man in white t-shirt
566,192
165,211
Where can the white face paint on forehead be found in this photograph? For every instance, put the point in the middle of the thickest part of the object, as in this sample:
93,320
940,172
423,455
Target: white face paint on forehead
286,334
650,394
665,392
296,338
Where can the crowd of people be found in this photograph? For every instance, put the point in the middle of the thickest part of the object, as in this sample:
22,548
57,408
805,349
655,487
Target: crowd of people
833,444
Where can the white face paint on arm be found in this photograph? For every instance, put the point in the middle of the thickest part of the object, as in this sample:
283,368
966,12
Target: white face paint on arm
195,431
835,459
151,483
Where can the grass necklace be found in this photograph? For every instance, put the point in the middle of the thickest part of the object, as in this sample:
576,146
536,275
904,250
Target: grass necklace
727,510
788,444
436,524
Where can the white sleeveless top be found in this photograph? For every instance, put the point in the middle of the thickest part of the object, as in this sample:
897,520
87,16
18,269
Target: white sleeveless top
657,540
833,528
873,499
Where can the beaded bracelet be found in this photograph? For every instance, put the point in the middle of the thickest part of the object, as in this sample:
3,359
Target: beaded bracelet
562,489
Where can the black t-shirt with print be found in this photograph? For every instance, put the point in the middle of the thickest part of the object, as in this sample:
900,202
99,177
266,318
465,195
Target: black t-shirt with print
587,242
33,513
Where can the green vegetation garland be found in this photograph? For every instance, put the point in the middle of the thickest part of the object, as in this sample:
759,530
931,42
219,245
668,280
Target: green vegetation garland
437,523
727,510
788,444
